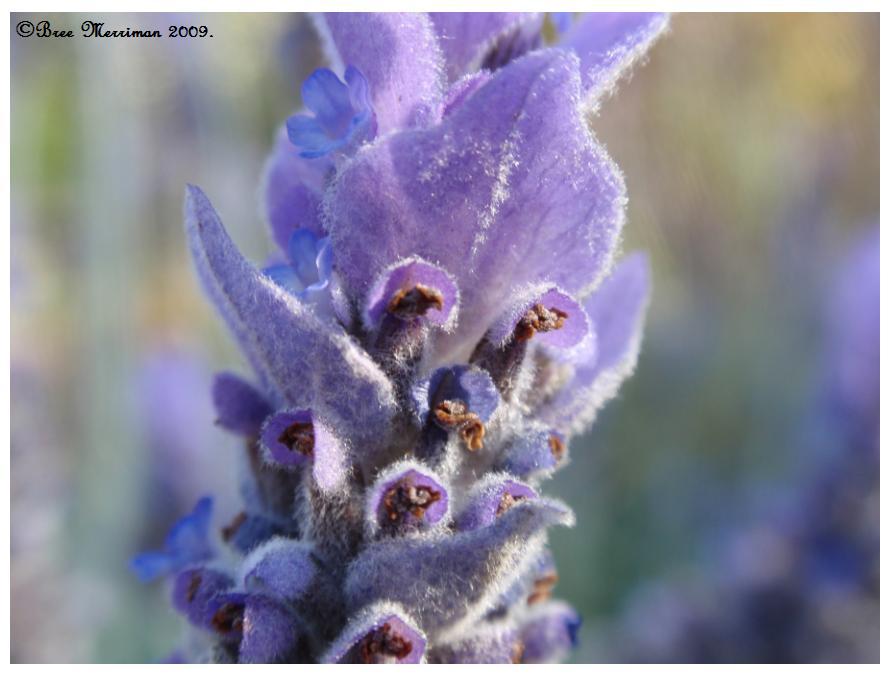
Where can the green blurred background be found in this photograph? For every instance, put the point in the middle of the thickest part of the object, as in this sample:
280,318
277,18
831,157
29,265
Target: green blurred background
750,147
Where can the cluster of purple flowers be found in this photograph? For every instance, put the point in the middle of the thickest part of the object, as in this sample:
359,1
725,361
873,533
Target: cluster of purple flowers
444,316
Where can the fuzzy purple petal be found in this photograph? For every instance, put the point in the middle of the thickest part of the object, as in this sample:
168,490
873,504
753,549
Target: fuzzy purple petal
549,633
461,90
399,56
253,531
575,329
535,451
454,577
270,631
383,512
384,620
299,357
467,37
327,456
531,198
281,567
524,586
489,643
608,44
492,496
195,588
469,384
292,190
240,408
405,275
616,310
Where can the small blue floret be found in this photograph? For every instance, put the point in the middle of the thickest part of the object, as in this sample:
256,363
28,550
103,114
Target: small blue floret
309,268
343,113
187,543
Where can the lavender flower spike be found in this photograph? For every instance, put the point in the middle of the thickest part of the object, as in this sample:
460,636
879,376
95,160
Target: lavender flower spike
439,330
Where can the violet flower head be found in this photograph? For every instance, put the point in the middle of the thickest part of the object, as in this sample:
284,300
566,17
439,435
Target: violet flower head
449,315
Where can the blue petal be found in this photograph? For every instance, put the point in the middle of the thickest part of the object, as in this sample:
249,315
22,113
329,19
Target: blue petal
400,57
342,113
302,250
357,126
285,277
359,94
326,96
187,540
186,543
240,408
150,566
324,269
305,132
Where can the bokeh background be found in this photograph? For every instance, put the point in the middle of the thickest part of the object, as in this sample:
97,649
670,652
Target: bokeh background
750,148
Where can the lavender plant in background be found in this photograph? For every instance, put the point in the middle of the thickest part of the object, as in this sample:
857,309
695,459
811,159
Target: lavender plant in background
444,316
176,417
800,581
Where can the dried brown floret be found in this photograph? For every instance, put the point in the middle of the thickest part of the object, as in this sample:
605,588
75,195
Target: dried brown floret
382,645
299,437
542,588
539,319
228,618
557,447
472,434
508,500
410,303
454,414
404,497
